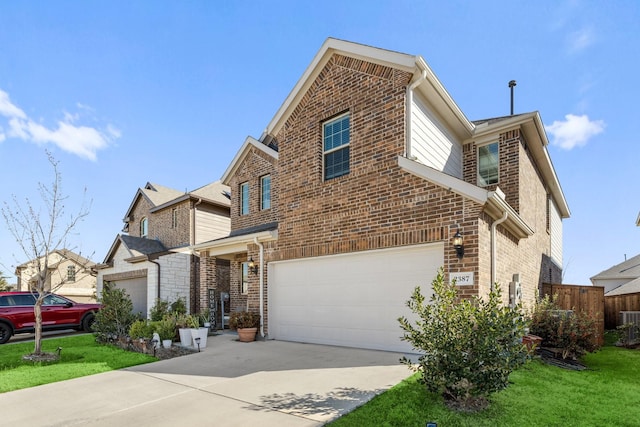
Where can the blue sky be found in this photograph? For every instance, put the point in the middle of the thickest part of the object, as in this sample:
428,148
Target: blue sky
123,93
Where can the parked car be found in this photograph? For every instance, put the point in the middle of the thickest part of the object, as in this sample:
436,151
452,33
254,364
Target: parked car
58,312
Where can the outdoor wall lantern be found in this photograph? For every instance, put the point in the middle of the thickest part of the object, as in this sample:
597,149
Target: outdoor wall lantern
253,268
458,244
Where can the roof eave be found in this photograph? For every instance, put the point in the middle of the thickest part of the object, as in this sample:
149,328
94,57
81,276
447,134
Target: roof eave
242,153
233,245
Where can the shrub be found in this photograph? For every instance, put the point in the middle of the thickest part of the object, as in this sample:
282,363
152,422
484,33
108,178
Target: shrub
572,332
116,315
141,329
166,327
470,347
159,310
244,319
179,306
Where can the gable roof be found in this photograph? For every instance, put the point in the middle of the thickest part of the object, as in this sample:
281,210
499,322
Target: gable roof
534,134
160,197
629,269
136,246
424,77
631,287
242,154
64,254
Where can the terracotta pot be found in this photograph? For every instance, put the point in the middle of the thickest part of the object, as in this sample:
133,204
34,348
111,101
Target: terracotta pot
247,334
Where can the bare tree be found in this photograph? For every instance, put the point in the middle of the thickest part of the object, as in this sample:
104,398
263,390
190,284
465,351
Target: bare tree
39,234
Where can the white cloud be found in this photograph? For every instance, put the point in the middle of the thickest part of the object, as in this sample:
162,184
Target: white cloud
7,108
80,140
575,131
580,40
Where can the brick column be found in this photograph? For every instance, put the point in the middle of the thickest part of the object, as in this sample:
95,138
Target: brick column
208,280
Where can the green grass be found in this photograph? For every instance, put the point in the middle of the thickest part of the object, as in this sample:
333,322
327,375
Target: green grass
80,356
607,394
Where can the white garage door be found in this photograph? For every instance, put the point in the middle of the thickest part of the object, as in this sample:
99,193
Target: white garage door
351,300
137,290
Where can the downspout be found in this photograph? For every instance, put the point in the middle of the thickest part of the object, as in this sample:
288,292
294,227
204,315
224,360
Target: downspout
193,221
261,270
158,264
494,226
410,89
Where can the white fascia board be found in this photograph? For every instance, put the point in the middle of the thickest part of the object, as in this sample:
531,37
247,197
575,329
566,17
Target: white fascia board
497,206
236,244
329,47
442,179
438,95
242,153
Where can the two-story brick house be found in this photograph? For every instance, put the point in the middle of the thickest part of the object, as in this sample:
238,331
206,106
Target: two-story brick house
152,260
354,194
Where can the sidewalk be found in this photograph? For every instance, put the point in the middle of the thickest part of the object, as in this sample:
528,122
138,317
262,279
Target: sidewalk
266,383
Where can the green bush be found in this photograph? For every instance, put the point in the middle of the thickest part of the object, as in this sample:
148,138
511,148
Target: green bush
470,347
159,310
179,306
115,317
572,332
141,329
166,327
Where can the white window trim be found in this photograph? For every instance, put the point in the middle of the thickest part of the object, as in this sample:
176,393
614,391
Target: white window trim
262,178
144,226
242,204
478,177
324,153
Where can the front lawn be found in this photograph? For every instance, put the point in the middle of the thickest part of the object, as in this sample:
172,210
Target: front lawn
607,394
80,356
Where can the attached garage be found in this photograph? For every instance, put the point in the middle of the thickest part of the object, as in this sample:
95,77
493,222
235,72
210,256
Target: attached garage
137,290
351,300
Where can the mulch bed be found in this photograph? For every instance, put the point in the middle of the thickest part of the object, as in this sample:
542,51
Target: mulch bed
146,347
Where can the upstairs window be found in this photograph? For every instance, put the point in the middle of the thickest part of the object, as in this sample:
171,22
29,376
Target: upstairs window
174,218
488,164
244,198
265,192
335,136
144,227
71,273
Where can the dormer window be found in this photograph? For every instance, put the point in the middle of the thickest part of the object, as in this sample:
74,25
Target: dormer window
144,227
488,164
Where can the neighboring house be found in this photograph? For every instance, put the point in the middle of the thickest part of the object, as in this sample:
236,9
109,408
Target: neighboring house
623,278
70,275
153,259
355,191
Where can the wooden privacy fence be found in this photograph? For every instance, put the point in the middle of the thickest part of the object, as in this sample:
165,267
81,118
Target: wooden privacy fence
589,299
613,305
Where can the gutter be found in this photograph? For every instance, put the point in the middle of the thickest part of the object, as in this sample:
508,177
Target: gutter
410,89
261,267
494,226
158,286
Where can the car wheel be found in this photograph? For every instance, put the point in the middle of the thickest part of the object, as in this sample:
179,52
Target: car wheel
5,332
87,322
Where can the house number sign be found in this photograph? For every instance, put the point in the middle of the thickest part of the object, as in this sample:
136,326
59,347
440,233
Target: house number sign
462,278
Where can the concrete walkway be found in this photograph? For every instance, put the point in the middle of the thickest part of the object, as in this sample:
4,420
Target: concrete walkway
265,383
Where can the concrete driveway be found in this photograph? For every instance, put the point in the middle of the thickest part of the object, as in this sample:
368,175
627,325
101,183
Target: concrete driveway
265,383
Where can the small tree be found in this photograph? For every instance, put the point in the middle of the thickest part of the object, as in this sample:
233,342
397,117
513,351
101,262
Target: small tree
4,285
116,316
41,234
470,347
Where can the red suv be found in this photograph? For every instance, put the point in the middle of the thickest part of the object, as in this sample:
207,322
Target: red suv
58,312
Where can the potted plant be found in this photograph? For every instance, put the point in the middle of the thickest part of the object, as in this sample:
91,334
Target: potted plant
185,323
166,328
246,323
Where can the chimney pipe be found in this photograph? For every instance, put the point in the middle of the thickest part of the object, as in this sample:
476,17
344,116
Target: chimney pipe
512,84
